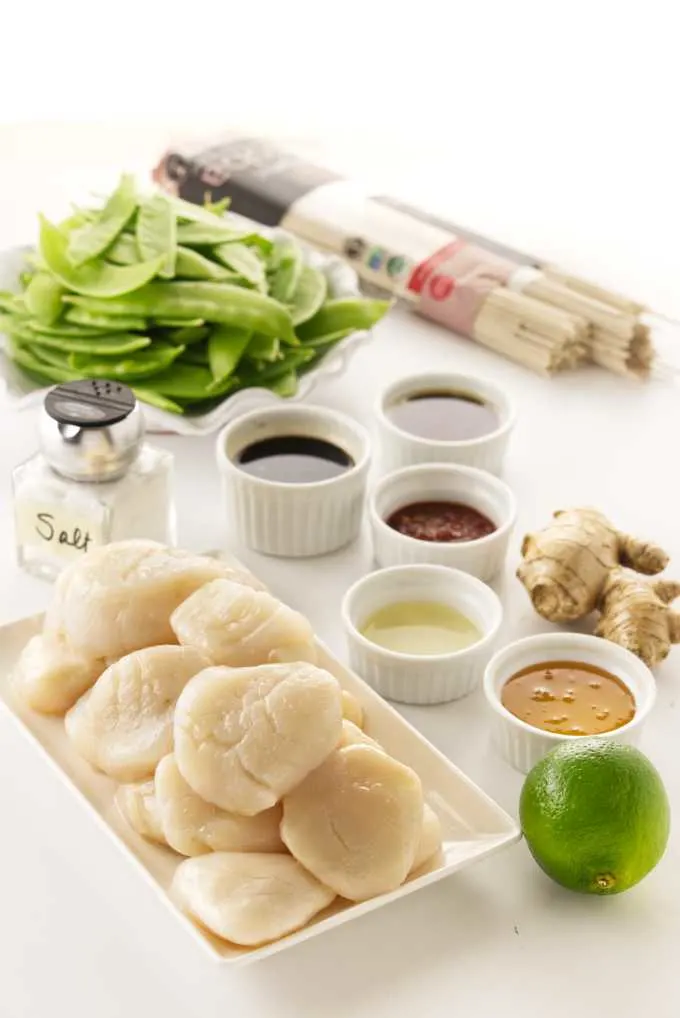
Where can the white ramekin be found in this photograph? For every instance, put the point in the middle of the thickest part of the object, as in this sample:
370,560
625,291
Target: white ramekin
483,558
410,678
523,745
399,448
294,520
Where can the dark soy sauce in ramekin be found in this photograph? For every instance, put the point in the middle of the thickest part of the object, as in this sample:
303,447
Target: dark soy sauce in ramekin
443,416
294,459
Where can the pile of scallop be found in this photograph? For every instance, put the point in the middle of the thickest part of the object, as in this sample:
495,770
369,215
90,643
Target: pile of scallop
184,680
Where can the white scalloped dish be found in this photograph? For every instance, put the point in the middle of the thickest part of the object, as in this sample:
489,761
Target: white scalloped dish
473,826
342,282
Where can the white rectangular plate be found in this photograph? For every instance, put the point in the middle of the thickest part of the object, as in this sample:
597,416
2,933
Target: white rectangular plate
474,826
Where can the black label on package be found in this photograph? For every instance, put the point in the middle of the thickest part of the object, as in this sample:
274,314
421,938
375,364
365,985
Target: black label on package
261,180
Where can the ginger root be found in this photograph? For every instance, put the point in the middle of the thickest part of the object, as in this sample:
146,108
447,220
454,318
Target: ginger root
636,615
567,565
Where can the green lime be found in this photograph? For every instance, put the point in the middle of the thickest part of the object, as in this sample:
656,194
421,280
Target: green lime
595,815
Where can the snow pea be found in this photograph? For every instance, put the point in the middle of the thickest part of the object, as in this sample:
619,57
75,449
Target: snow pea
17,328
347,313
157,400
193,265
226,346
66,329
124,250
55,358
188,335
182,381
186,210
208,233
89,240
243,261
156,358
103,345
285,267
309,295
286,385
156,233
95,279
213,302
41,371
264,348
217,208
328,339
195,355
9,302
108,323
179,323
292,361
43,298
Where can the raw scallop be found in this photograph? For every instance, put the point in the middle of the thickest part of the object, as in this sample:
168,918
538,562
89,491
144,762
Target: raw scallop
352,710
430,841
355,822
119,598
139,806
249,898
51,676
237,626
353,736
244,737
193,826
123,725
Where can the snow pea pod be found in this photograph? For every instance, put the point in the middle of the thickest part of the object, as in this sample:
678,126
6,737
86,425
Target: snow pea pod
156,358
156,233
264,348
309,295
285,267
124,250
188,335
88,241
104,345
293,359
179,323
213,302
55,358
38,369
182,381
192,265
208,233
195,355
94,279
243,261
347,313
66,329
226,346
186,210
43,298
286,385
328,339
108,323
157,400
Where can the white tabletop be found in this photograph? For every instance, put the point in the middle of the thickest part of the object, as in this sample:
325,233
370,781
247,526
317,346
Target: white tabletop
81,935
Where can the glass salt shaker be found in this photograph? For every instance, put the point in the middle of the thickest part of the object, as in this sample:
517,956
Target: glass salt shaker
94,480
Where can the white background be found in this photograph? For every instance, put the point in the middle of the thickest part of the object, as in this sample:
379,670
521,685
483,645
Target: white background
551,126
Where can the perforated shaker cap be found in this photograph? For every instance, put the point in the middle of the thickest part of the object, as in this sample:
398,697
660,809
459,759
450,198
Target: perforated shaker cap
91,430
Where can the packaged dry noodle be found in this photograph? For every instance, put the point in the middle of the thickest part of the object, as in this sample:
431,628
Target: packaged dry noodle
513,303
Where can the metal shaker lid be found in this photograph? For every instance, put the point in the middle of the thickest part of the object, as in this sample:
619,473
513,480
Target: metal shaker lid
91,430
